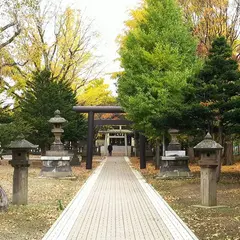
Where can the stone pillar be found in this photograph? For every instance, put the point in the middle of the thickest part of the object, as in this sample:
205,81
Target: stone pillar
208,186
125,143
105,145
20,185
75,159
108,139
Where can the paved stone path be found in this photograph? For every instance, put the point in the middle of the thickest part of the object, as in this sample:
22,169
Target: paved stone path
116,204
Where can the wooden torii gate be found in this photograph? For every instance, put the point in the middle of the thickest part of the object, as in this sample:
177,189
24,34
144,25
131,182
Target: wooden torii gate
90,110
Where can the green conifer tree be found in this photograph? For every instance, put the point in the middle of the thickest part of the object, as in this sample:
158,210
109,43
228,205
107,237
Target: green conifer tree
42,98
215,92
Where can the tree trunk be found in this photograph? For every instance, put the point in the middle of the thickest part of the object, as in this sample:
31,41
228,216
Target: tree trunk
163,145
157,155
219,153
190,153
228,153
218,171
3,200
220,133
43,150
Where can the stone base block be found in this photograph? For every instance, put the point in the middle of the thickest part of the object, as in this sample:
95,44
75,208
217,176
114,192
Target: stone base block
55,173
56,153
209,207
56,167
174,174
174,167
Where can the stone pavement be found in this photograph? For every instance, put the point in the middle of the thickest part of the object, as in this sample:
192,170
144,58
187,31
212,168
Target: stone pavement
116,203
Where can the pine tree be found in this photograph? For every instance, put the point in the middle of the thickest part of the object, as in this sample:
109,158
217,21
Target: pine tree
42,98
215,92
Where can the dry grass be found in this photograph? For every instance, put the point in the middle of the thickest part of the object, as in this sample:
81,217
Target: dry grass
33,220
219,224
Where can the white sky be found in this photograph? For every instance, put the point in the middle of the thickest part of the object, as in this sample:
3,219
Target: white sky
109,17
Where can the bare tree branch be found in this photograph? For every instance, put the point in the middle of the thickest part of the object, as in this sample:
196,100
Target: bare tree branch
4,44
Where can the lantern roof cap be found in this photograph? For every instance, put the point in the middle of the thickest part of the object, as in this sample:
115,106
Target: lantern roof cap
57,118
173,130
21,143
208,143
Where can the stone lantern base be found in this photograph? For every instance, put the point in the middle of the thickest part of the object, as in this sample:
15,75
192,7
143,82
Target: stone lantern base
174,165
56,166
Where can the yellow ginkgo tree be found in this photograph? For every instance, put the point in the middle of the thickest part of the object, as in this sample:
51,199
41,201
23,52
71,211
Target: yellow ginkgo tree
58,40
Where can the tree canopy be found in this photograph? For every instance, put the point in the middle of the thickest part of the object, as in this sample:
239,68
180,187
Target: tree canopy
157,53
214,92
59,40
96,93
211,19
43,97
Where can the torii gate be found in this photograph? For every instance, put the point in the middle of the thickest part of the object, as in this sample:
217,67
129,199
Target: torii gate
106,109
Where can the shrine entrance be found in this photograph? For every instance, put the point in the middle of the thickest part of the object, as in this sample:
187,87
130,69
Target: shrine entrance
120,139
91,110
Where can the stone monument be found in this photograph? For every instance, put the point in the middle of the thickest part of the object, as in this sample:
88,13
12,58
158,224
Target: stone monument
175,162
56,163
75,159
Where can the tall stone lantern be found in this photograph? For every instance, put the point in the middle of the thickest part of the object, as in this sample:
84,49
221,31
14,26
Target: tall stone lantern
208,163
20,161
56,163
57,131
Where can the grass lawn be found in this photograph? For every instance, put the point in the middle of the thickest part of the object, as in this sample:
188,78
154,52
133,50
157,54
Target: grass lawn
44,197
181,194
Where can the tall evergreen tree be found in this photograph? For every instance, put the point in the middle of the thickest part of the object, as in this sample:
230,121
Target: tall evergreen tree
157,54
214,91
9,128
43,97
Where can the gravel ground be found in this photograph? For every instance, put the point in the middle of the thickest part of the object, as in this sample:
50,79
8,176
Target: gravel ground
45,200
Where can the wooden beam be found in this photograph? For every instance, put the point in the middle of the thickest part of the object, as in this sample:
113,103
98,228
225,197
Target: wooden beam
98,109
103,122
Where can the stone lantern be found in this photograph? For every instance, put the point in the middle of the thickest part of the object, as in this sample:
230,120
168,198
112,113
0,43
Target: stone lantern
208,163
175,162
56,163
57,131
20,156
174,144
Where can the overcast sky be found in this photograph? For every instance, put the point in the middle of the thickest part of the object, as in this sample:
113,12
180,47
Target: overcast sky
109,17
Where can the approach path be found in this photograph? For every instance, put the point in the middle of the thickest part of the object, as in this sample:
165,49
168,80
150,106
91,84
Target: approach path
116,203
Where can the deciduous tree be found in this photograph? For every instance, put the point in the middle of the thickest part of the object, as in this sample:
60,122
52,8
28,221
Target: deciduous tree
157,53
211,19
96,93
60,41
